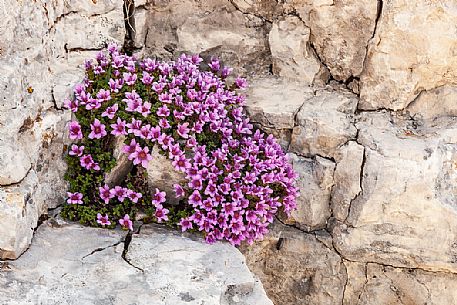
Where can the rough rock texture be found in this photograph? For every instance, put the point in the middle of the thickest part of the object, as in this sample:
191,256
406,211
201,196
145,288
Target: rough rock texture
297,268
92,266
212,28
387,285
315,183
42,45
323,132
408,198
413,50
291,54
340,31
378,187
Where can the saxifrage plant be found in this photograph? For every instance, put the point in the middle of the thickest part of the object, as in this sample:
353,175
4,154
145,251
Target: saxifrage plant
237,178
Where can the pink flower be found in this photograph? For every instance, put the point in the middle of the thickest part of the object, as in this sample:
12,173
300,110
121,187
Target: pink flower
163,111
97,130
195,199
105,193
120,192
133,101
161,214
118,128
126,223
185,224
141,156
88,163
158,197
179,191
134,127
129,78
147,79
104,95
71,104
110,111
183,131
103,220
145,109
164,123
134,196
76,150
74,198
75,131
93,104
131,148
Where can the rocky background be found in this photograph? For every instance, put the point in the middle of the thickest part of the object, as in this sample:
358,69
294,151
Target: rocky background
361,93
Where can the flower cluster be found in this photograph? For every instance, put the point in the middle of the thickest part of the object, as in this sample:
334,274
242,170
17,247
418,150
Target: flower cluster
237,178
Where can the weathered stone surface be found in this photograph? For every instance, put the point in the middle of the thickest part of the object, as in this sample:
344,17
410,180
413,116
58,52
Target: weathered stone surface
356,279
213,274
387,285
18,216
14,162
322,132
433,104
274,102
212,28
315,183
413,50
349,161
340,31
162,175
292,57
408,198
297,268
42,45
80,265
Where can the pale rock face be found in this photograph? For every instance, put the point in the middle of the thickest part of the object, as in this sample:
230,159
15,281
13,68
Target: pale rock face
41,51
297,268
323,132
413,50
408,198
315,183
14,163
340,31
387,285
433,104
292,57
19,214
349,161
86,266
274,102
162,175
211,28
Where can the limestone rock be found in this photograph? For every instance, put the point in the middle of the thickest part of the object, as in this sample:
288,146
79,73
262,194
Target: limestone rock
14,162
80,265
315,183
408,198
413,50
292,57
296,268
349,161
162,175
42,45
265,8
340,31
211,28
323,132
274,102
357,278
433,104
19,215
387,285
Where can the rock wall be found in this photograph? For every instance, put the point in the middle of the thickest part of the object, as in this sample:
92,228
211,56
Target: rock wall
361,93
